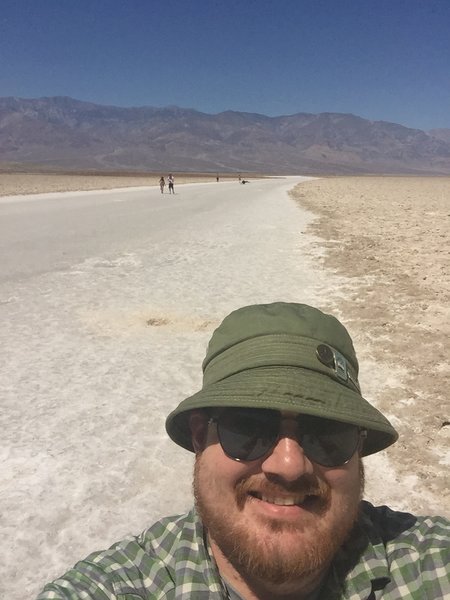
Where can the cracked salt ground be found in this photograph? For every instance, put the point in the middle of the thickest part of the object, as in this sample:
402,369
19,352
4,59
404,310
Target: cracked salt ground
87,381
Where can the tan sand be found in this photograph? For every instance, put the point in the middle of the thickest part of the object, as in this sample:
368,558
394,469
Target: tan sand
12,184
391,237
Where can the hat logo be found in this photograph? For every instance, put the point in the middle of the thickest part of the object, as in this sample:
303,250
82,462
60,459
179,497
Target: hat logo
334,360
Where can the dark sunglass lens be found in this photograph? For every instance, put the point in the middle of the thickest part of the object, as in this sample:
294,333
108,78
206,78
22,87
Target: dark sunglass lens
329,443
247,434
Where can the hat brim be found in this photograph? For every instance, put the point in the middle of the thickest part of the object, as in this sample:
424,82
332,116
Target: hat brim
291,389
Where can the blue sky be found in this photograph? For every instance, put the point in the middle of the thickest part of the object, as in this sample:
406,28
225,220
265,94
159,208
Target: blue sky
379,59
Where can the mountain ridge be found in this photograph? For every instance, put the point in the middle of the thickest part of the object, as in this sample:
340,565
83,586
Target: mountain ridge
63,132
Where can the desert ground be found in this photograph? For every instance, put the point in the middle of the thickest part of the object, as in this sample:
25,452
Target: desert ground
16,183
374,251
390,236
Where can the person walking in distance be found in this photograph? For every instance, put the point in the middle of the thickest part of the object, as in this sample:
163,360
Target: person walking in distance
162,183
171,181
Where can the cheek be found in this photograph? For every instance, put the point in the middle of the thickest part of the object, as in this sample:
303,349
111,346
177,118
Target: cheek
218,471
346,480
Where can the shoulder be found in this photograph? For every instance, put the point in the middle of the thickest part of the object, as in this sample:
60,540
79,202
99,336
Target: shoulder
397,554
164,538
405,529
136,565
416,549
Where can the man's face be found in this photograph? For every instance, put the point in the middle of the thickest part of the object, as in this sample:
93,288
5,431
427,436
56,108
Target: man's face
278,518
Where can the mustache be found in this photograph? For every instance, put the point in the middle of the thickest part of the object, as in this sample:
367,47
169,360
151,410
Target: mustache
307,485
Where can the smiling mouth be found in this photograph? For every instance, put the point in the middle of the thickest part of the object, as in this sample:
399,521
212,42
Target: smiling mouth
297,500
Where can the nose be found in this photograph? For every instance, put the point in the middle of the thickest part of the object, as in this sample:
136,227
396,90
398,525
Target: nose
287,460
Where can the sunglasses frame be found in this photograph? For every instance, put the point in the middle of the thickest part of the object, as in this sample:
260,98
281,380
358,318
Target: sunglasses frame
362,435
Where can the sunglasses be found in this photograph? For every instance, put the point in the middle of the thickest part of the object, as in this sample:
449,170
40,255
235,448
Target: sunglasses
247,434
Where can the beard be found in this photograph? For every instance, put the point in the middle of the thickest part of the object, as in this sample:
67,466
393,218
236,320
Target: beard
276,552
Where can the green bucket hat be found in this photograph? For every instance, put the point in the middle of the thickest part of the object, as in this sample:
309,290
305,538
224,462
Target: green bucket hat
287,357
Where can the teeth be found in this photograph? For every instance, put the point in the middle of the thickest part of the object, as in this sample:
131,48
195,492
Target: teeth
282,501
297,500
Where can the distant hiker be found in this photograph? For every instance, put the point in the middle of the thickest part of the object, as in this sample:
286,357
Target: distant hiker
217,178
171,181
162,183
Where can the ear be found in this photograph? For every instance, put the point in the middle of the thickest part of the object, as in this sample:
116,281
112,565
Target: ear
198,424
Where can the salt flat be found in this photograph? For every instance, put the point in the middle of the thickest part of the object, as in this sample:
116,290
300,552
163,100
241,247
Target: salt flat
107,304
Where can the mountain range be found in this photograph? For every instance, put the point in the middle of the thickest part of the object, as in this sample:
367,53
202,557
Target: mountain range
64,133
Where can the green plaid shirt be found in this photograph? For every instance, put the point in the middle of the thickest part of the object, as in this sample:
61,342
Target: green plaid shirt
401,556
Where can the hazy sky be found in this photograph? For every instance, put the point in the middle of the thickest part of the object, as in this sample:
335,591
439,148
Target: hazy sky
379,59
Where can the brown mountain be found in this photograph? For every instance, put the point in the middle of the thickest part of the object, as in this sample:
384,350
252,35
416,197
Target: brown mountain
64,133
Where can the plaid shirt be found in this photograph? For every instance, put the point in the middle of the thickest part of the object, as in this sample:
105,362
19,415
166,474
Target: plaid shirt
401,556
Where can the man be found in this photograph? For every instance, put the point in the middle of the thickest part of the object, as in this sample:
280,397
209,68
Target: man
171,181
278,430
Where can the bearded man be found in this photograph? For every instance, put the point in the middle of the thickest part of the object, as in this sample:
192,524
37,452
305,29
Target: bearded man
278,430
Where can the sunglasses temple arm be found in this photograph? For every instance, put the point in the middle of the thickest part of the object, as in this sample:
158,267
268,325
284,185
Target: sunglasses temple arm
362,439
